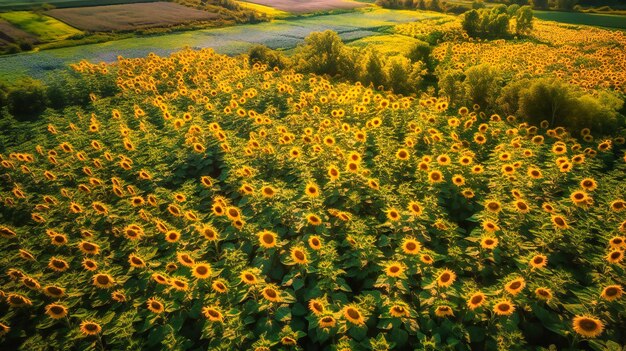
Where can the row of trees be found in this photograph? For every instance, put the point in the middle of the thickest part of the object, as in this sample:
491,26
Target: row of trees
495,22
324,53
532,99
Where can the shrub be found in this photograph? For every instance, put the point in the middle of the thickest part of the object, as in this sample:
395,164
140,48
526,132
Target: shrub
482,85
263,54
27,99
320,53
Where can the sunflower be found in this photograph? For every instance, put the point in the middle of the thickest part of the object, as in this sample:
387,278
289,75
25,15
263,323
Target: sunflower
312,190
618,205
521,206
543,293
587,326
333,172
298,255
444,160
612,292
534,173
118,296
443,311
515,286
493,206
172,236
446,278
579,197
267,239
313,219
353,315
185,259
615,256
219,286
617,242
54,291
435,177
133,232
90,328
315,242
136,261
458,180
103,281
327,321
589,184
213,314
559,222
394,269
268,191
411,246
248,277
89,265
155,305
89,248
317,306
415,208
427,259
218,209
476,300
490,226
392,214
538,261
373,184
504,308
271,293
179,284
58,264
161,279
233,213
56,311
201,270
489,243
352,167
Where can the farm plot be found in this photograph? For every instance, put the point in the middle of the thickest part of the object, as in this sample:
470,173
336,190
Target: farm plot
130,16
44,27
303,6
10,34
29,4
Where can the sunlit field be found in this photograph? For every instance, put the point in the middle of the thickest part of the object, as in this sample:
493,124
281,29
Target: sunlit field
420,188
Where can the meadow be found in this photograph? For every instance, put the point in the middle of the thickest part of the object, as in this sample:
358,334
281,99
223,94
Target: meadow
44,27
590,19
129,17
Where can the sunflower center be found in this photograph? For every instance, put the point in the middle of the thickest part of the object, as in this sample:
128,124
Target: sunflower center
394,269
504,307
155,305
538,260
102,279
445,277
476,299
515,285
411,246
271,293
299,255
612,291
352,313
588,325
202,270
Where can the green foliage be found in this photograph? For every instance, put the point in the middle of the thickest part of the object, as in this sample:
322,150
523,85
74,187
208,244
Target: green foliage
373,72
26,99
420,52
540,4
482,85
263,54
561,104
320,53
494,22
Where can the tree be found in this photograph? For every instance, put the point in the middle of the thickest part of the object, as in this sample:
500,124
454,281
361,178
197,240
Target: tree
320,53
540,4
27,99
451,85
471,23
373,72
420,52
482,85
263,54
524,20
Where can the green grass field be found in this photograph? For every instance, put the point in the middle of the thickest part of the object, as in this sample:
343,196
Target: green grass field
266,10
590,19
392,44
45,27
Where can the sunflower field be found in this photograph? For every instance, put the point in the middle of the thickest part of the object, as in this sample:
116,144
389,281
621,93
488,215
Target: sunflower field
215,205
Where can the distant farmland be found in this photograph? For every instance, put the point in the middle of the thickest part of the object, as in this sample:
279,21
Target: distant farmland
129,16
10,34
29,4
302,6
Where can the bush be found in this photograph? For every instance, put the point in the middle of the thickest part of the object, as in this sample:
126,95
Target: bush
494,22
420,52
263,54
320,53
482,85
27,99
561,104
